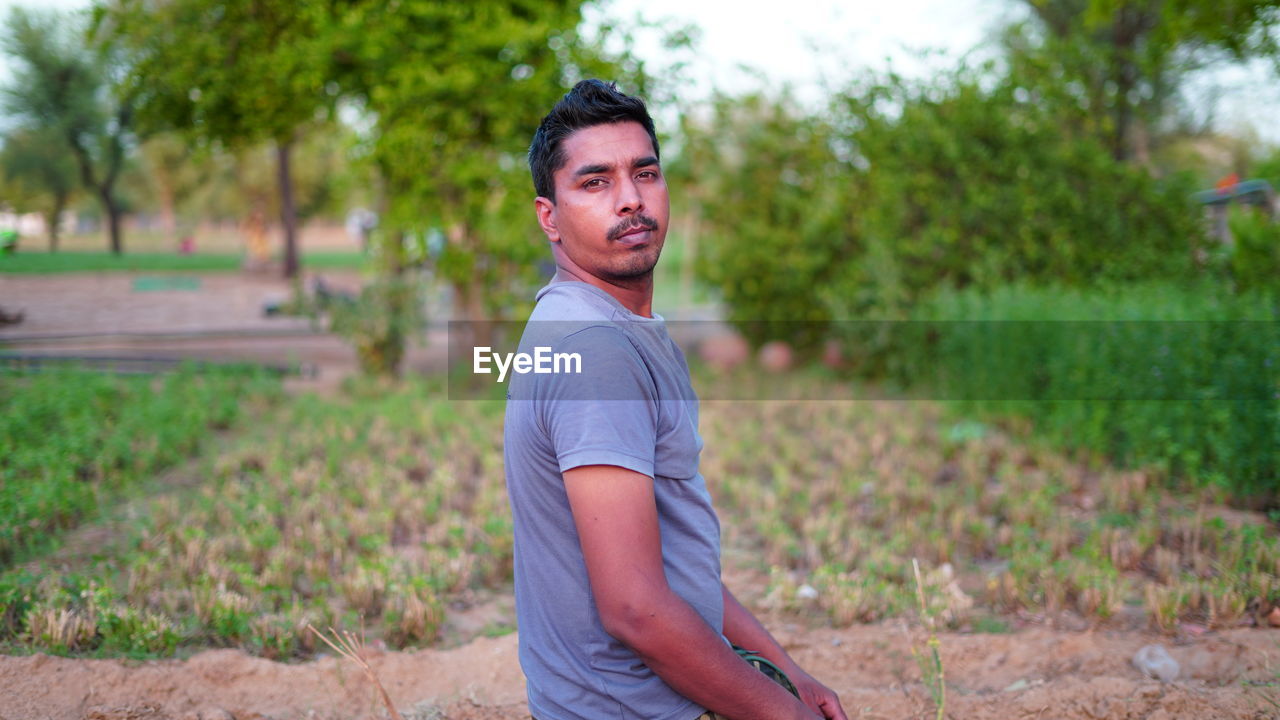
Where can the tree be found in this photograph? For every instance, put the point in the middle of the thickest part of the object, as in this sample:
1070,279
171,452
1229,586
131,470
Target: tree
1118,64
40,176
227,72
453,92
64,84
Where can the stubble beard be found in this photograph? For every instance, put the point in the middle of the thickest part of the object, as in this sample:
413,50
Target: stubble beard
638,266
639,263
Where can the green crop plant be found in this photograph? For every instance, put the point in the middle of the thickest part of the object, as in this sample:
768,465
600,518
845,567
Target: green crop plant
929,659
73,438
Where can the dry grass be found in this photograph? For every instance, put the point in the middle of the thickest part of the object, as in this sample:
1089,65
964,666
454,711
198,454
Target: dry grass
351,647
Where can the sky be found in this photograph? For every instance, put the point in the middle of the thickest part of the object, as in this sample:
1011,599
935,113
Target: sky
803,42
808,42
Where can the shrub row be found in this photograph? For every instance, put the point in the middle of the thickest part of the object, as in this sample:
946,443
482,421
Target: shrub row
1185,379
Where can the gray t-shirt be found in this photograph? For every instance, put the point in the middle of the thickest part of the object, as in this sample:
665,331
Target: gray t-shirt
631,406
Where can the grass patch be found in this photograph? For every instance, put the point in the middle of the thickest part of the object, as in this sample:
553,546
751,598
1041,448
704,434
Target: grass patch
40,263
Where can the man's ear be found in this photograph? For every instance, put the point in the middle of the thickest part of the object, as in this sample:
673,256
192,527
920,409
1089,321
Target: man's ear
546,210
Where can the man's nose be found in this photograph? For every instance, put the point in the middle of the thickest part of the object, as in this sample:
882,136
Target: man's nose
629,199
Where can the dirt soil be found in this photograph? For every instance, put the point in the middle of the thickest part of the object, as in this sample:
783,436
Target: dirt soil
1036,673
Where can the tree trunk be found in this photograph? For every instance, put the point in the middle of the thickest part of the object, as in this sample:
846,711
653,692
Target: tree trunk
168,206
1123,74
51,221
381,345
288,215
101,189
113,220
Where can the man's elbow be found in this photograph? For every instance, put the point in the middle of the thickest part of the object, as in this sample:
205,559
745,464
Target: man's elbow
632,619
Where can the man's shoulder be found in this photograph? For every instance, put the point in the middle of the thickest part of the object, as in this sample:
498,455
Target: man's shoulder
574,314
573,302
573,324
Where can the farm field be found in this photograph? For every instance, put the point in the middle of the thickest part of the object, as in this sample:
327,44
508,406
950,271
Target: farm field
383,508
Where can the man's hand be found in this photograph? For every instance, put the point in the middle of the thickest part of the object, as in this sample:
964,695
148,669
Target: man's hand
743,629
818,697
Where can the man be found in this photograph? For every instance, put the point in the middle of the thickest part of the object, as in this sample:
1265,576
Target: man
619,602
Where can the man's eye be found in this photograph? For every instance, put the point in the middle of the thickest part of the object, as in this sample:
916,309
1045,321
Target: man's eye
648,174
593,182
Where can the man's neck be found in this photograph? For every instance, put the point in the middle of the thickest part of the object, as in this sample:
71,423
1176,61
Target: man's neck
636,295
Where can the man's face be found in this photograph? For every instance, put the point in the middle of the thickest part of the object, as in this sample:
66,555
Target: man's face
611,210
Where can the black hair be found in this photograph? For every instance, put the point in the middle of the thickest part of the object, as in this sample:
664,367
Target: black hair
590,103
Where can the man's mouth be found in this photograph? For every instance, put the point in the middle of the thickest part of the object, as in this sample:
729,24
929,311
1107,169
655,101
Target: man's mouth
635,231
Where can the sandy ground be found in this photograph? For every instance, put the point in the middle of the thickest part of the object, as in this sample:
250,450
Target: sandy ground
1035,673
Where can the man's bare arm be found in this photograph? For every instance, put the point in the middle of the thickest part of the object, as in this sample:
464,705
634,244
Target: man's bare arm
617,521
744,630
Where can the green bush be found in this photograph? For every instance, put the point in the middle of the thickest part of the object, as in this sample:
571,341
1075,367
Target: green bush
380,322
1253,258
900,188
1180,378
772,204
973,187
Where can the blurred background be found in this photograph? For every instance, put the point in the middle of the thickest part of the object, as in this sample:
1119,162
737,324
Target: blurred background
880,155
1058,216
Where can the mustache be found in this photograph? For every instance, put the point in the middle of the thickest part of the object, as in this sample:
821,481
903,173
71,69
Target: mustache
626,226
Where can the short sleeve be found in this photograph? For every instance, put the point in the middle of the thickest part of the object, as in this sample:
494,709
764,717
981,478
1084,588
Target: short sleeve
607,412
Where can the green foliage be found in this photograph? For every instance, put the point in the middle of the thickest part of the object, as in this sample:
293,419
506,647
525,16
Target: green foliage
770,194
1268,168
380,322
228,73
39,175
74,438
1253,258
1179,379
903,188
456,90
383,507
973,187
184,183
187,77
1114,67
841,495
65,86
134,631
